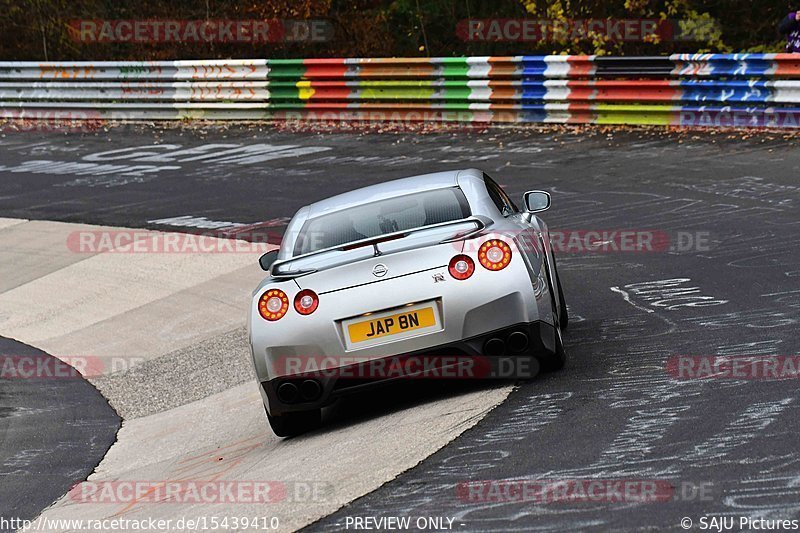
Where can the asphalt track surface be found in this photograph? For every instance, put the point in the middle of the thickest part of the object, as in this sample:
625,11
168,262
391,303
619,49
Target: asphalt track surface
53,432
727,447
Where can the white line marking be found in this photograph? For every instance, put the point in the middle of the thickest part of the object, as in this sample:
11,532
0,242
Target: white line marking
627,298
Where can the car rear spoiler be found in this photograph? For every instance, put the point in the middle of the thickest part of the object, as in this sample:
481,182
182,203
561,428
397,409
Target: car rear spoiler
481,222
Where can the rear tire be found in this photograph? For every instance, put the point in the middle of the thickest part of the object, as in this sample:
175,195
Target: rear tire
297,423
557,360
563,319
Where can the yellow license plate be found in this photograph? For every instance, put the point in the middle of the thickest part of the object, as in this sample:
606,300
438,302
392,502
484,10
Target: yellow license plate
391,325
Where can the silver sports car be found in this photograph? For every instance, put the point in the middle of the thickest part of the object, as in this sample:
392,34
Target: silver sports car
439,275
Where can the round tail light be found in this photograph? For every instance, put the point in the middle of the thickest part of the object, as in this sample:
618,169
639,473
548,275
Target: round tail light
273,305
461,267
494,254
306,302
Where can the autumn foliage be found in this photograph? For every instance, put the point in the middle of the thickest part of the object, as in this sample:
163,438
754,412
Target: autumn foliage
45,29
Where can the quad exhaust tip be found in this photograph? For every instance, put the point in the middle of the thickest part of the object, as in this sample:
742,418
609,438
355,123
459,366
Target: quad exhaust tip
494,347
307,390
310,390
288,392
517,341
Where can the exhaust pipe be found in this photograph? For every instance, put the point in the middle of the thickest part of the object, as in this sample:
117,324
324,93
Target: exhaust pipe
288,392
517,341
310,390
494,347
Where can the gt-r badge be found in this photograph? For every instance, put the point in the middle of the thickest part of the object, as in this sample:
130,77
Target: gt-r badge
438,277
379,270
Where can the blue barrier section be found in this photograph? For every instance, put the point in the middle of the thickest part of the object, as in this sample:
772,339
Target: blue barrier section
726,91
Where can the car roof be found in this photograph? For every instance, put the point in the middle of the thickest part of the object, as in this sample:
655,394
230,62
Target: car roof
388,189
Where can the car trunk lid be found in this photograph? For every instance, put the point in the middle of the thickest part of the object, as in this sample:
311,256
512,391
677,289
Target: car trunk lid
373,263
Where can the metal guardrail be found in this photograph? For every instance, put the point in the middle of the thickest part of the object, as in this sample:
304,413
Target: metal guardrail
716,90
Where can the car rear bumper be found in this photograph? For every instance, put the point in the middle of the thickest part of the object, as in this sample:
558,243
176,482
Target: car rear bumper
463,359
486,302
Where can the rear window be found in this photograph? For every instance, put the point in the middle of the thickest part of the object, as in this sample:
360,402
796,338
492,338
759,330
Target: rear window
379,218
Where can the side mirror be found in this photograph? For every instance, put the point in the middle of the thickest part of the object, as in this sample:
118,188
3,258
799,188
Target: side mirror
536,201
267,259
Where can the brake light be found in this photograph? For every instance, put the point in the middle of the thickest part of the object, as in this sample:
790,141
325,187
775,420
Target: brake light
273,305
461,267
494,254
306,302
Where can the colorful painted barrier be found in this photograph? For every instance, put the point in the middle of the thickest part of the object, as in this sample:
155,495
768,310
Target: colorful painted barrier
696,90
